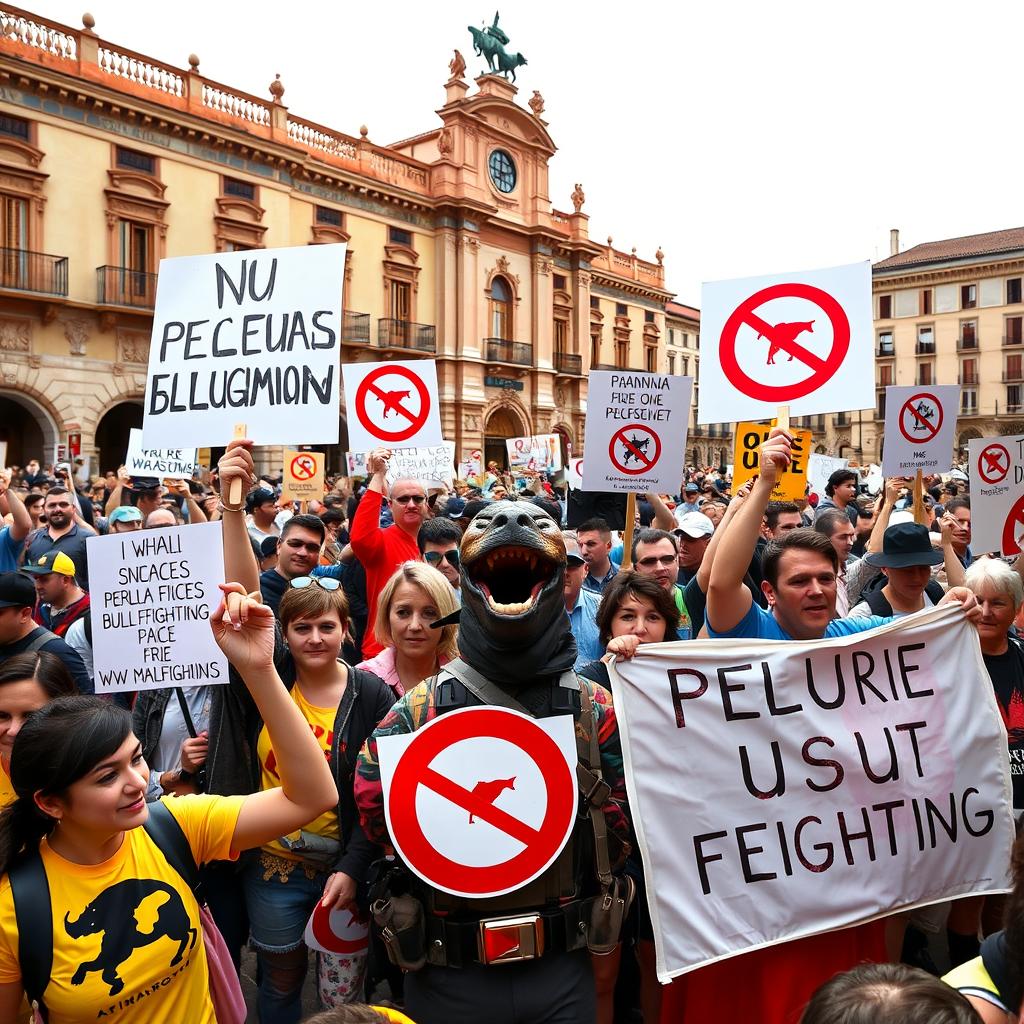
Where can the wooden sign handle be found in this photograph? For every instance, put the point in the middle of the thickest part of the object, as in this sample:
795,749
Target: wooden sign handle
920,512
782,417
627,535
235,484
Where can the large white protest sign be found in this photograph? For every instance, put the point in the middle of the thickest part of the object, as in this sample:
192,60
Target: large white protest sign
249,337
540,452
166,464
152,595
433,466
801,339
920,425
819,469
635,437
392,404
781,789
997,493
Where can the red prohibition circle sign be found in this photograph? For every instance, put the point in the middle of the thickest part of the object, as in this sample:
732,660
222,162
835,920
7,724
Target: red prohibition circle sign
823,370
355,935
635,449
393,403
1011,533
303,467
919,419
542,844
993,463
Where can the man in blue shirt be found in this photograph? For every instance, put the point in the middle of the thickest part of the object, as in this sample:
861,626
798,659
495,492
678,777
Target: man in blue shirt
595,545
581,606
800,573
12,538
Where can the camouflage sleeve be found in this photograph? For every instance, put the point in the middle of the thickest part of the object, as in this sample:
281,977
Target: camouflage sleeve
615,810
411,712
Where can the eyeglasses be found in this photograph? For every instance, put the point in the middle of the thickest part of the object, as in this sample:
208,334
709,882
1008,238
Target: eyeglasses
434,557
652,560
324,582
416,499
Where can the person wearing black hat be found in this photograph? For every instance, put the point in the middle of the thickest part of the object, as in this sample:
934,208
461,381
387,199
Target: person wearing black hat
906,561
19,634
261,510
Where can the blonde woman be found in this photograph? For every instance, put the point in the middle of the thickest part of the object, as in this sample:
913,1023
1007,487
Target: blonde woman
416,596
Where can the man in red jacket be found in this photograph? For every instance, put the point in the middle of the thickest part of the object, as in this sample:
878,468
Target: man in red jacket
382,551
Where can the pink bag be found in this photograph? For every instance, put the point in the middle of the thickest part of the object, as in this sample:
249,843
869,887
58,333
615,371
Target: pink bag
225,988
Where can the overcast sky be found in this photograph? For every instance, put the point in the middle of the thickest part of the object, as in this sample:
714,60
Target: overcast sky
743,138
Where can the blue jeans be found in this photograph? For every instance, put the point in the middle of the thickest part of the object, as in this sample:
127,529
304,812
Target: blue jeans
278,912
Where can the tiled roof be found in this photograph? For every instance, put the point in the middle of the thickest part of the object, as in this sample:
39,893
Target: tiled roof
964,247
678,309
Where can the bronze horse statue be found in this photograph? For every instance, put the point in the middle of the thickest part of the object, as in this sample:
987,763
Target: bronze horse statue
491,49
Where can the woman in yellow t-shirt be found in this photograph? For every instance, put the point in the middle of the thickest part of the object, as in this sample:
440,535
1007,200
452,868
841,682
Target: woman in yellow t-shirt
127,939
27,682
329,856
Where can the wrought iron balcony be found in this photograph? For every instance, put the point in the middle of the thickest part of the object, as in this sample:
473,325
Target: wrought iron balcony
498,350
967,378
406,334
1012,339
569,363
967,344
21,270
1013,375
119,286
356,328
885,351
924,348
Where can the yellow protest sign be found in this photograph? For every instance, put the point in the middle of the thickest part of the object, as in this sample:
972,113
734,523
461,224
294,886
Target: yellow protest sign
303,476
792,483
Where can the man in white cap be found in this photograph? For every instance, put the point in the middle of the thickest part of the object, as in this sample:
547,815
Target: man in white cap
694,533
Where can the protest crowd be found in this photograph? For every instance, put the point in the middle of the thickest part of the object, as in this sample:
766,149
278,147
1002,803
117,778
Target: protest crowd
335,612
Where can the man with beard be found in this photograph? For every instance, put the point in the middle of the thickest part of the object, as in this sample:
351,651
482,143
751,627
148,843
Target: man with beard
61,533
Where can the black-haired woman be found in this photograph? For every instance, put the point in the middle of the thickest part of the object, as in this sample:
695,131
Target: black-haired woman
126,933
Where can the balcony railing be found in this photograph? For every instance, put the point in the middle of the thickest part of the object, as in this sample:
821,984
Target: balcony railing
924,348
356,328
923,382
968,410
1012,339
406,334
497,350
119,286
1012,410
967,378
26,271
884,351
1013,375
569,363
966,344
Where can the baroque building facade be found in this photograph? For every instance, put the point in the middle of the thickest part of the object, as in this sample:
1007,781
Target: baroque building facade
111,161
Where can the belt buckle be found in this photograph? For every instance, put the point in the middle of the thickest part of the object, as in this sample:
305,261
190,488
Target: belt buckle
506,940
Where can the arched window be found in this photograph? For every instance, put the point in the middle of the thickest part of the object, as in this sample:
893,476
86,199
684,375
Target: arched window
501,309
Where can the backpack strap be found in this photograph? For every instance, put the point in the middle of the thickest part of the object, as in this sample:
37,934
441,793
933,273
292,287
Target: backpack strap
40,640
877,602
481,687
592,784
163,828
31,893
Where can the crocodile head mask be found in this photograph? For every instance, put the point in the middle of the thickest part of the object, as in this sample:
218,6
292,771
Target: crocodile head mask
513,625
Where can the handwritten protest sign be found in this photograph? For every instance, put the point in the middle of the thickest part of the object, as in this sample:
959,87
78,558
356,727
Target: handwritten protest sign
841,780
997,493
152,595
635,437
246,337
303,478
540,452
820,468
920,425
433,466
166,464
792,482
801,339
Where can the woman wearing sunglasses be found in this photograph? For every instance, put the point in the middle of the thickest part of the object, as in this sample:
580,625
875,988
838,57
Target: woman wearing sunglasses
415,596
327,859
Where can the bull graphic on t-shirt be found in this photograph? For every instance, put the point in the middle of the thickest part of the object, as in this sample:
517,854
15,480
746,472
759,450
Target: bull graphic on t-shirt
113,913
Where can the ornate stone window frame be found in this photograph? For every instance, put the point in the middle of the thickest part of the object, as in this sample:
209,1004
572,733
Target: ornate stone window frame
21,178
401,264
138,197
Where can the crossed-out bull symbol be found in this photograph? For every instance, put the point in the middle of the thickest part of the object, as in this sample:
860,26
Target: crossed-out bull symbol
924,412
113,913
635,443
784,334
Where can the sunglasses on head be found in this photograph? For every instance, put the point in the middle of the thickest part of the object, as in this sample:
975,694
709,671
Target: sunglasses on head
434,557
416,499
324,582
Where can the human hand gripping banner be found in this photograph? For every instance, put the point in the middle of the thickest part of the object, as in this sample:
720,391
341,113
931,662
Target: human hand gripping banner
781,789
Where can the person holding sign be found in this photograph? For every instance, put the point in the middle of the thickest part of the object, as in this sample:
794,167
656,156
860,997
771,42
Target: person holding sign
772,984
80,781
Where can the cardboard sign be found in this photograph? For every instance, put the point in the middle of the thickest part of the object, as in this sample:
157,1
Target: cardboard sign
574,474
303,476
480,801
807,746
249,337
792,483
635,438
355,462
433,467
920,427
168,464
820,468
392,404
152,595
3,454
472,465
997,493
541,453
802,340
